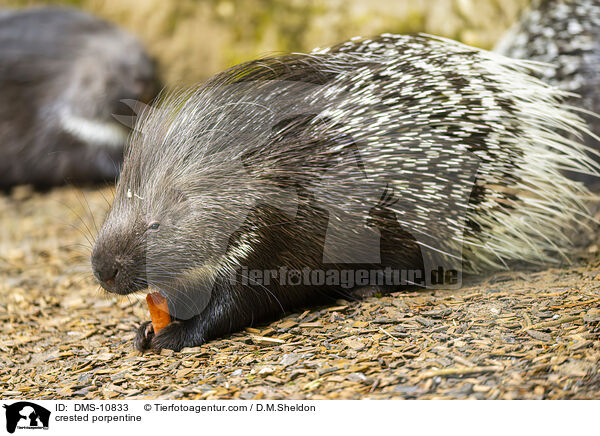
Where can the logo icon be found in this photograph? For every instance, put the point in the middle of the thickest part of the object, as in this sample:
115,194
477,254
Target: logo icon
26,415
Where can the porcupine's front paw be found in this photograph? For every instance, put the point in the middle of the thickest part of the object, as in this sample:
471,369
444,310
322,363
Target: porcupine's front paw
175,336
143,336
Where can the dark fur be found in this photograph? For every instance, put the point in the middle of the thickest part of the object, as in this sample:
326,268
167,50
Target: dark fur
297,244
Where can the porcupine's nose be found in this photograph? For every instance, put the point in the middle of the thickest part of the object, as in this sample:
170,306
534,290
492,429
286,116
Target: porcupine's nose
108,275
106,271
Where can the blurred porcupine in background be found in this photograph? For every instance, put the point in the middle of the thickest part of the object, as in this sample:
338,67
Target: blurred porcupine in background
405,153
565,34
63,74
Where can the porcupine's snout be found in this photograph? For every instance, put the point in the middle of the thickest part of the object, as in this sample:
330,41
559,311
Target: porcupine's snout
118,270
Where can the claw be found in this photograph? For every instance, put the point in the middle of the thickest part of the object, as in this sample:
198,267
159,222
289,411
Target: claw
144,336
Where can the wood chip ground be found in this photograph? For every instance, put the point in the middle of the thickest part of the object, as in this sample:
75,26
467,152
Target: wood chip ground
511,336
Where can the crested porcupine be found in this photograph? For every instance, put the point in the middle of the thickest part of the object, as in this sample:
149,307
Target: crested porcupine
63,74
285,181
565,36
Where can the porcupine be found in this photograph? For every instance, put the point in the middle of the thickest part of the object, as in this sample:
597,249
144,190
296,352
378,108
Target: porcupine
63,74
565,36
445,152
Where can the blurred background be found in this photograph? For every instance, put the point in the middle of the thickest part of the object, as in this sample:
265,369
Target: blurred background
193,39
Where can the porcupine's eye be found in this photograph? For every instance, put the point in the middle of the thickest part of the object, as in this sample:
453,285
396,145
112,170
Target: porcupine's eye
153,226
